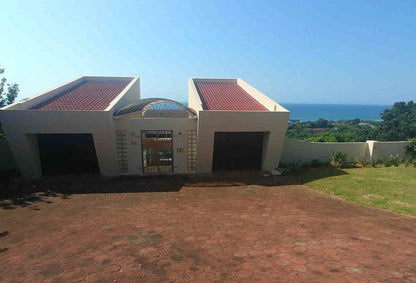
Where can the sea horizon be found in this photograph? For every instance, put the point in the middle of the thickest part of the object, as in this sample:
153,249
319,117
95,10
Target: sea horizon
335,112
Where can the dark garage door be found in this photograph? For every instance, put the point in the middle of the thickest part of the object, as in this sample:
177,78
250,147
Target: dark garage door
67,154
236,151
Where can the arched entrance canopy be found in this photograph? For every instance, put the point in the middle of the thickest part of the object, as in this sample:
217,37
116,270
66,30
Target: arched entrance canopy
157,108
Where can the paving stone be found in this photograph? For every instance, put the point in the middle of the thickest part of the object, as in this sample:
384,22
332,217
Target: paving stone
206,234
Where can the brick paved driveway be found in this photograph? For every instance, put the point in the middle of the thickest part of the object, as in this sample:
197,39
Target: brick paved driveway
205,234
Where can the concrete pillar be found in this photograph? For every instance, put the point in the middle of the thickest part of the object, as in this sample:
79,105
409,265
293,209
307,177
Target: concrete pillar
372,151
272,149
205,151
105,148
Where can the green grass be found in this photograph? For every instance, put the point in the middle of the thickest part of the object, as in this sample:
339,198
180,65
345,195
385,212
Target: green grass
391,188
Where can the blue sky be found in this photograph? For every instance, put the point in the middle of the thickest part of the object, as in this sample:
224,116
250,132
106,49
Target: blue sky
294,51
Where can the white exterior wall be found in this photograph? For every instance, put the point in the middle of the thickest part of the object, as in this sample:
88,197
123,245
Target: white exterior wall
21,127
133,128
301,151
6,160
273,123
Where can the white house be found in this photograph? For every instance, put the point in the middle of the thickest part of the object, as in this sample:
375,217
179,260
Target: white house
101,125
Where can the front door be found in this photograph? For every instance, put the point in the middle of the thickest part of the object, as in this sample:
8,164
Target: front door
157,152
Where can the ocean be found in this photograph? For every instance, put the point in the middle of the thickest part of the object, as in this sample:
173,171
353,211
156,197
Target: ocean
335,112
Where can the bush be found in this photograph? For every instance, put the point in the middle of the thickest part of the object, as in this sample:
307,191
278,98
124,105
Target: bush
407,162
295,166
392,160
363,161
386,162
376,162
338,158
411,148
396,160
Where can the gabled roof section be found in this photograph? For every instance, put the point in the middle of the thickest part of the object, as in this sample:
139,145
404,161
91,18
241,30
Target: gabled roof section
226,96
87,95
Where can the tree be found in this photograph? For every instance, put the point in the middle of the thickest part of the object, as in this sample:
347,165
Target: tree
399,122
321,123
8,91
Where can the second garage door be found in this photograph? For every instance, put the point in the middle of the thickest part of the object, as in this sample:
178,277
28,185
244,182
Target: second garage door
237,150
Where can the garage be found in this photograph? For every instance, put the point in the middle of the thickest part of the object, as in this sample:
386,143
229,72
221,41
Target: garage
67,154
237,151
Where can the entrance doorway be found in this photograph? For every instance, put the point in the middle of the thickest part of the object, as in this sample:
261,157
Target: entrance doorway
157,152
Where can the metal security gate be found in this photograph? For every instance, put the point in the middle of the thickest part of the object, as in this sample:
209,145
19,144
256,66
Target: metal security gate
157,152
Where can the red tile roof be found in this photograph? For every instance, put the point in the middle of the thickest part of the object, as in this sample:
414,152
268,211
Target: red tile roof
87,96
226,96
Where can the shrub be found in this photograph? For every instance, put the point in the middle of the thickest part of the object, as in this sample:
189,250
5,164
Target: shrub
363,161
407,162
411,148
386,162
378,162
396,160
295,166
338,158
392,160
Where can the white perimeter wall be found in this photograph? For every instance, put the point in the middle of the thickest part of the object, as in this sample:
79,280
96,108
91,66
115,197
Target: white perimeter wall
133,128
273,123
383,149
301,151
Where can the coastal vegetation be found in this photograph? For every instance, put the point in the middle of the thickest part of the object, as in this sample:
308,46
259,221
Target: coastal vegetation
398,123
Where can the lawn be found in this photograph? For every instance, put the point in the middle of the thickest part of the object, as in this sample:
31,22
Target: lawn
391,188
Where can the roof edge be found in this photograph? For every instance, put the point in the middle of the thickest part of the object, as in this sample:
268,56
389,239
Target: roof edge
122,93
266,101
